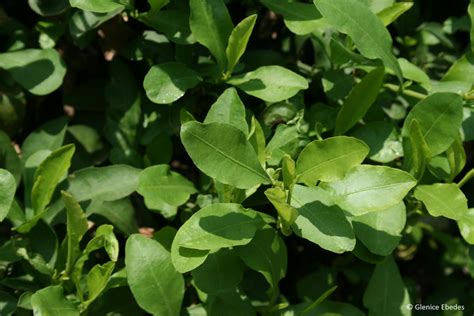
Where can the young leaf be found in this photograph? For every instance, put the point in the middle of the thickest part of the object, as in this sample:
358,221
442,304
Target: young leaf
287,213
51,301
218,226
443,199
211,25
40,71
355,19
439,117
289,172
257,140
359,101
166,83
76,228
466,226
238,41
328,160
7,192
416,150
164,190
381,231
156,286
221,272
103,6
48,175
228,109
223,152
368,188
97,280
393,12
386,293
320,221
270,83
267,254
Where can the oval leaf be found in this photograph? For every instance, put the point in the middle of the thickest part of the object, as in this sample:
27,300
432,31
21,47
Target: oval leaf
7,192
223,152
443,199
238,41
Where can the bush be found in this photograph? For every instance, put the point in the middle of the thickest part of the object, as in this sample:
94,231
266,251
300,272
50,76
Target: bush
213,157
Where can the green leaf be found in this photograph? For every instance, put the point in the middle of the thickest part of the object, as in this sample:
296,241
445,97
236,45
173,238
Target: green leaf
470,10
156,286
270,83
40,71
300,18
8,303
82,23
103,183
289,172
221,272
443,199
361,98
353,18
97,280
223,152
218,226
166,83
381,231
103,6
440,118
267,254
164,190
76,228
238,40
48,136
329,160
368,188
173,23
286,212
466,226
320,221
393,12
212,26
416,150
9,159
48,175
7,192
228,109
383,140
49,8
257,139
50,301
386,293
120,213
187,259
463,69
286,140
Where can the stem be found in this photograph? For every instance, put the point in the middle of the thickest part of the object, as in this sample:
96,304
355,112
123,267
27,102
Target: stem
407,92
468,176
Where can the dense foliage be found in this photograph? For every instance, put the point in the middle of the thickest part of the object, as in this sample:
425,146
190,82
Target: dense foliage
213,157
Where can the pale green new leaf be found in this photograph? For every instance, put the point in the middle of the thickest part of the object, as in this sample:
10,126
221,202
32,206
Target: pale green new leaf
228,109
155,284
320,221
361,98
102,6
166,83
386,293
48,175
97,280
466,226
443,199
270,83
381,231
328,160
218,226
462,70
416,150
223,152
392,13
50,301
40,71
76,228
7,192
355,19
238,41
287,213
163,189
211,25
369,188
267,254
439,117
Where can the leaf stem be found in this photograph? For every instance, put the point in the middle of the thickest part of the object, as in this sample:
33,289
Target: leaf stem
410,93
468,176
